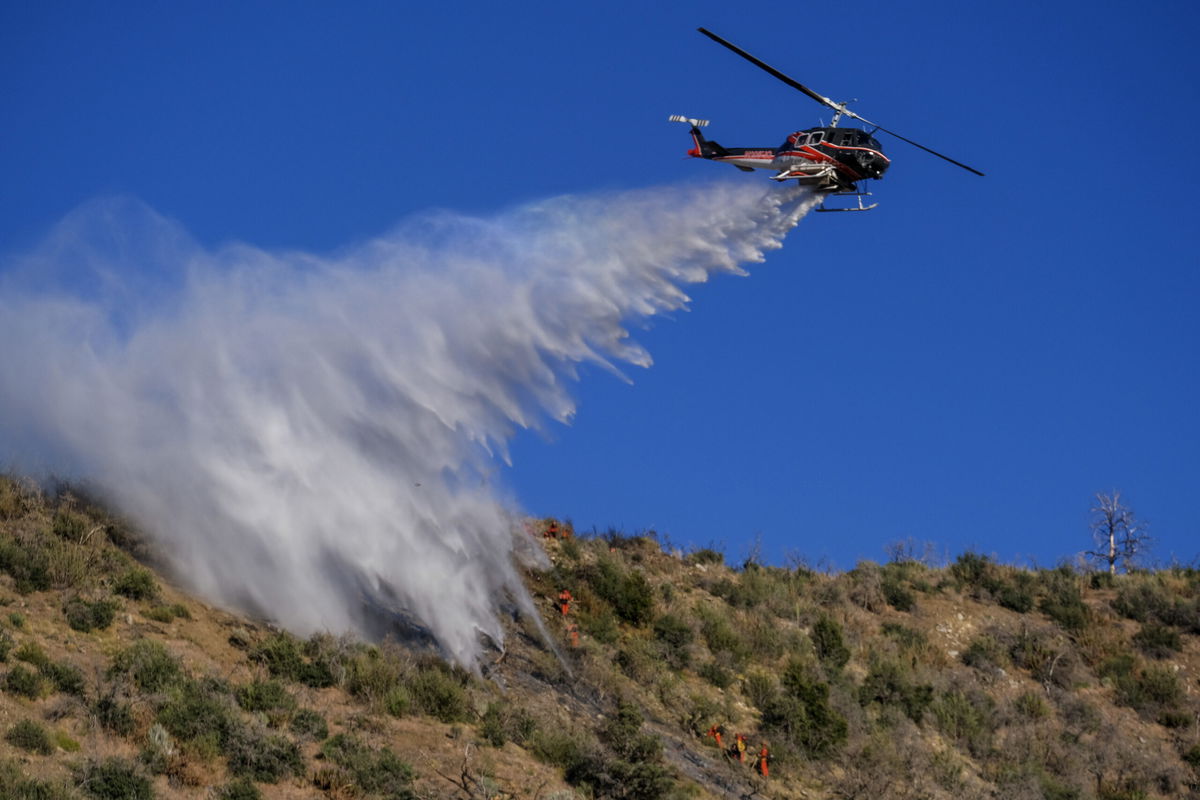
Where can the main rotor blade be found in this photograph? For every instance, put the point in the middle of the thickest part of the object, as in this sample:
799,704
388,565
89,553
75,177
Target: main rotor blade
795,84
763,65
926,149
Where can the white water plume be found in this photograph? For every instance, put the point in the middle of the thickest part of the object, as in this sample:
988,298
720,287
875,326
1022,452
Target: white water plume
311,436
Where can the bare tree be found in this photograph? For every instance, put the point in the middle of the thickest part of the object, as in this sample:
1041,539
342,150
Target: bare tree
1120,537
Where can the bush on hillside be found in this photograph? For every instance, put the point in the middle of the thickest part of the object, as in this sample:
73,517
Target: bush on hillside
628,593
29,735
675,637
263,757
23,683
114,714
309,724
828,642
148,664
801,713
371,771
1157,640
115,779
137,583
1063,600
440,691
965,717
85,616
889,684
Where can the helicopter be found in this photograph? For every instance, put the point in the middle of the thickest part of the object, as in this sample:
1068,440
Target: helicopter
829,159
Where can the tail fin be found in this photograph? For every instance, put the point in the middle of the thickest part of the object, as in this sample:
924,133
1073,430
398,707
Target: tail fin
704,148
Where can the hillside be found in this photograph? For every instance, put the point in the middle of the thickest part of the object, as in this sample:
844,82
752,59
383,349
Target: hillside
901,680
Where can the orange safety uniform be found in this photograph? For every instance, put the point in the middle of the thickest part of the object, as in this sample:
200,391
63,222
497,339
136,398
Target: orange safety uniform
564,601
741,748
763,757
715,733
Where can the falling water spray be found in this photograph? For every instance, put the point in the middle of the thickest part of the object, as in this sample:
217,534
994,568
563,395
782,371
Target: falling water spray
313,437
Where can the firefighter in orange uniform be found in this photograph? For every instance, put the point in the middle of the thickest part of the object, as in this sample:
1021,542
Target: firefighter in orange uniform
715,733
763,757
564,601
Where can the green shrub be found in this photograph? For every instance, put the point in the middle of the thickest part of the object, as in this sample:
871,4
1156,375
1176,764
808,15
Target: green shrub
1017,593
628,593
1063,601
1192,756
14,785
267,759
438,692
889,684
372,771
1157,641
68,744
965,717
264,696
32,653
971,569
623,733
85,616
760,688
69,525
801,712
167,613
909,639
198,709
1140,600
29,735
6,646
827,641
239,789
749,590
675,636
149,664
17,620
715,674
137,583
491,726
114,714
720,636
1048,658
309,724
66,678
371,675
707,555
1031,706
285,657
1154,688
397,702
599,622
115,779
1175,719
897,594
12,499
28,562
22,682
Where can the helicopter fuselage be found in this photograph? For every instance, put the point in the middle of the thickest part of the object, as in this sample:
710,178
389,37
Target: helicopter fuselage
829,159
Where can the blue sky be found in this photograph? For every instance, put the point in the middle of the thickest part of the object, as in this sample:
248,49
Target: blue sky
966,365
